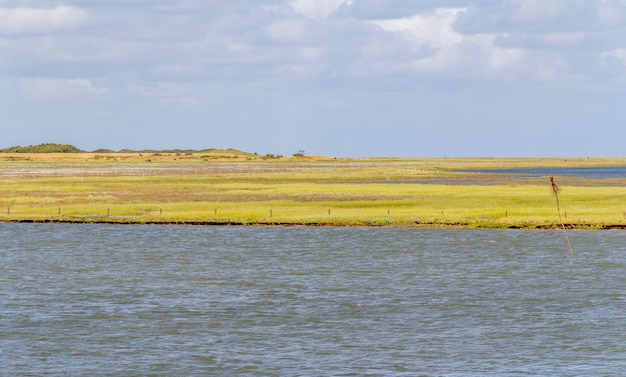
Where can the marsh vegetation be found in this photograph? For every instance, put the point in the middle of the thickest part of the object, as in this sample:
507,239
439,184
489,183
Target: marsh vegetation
232,187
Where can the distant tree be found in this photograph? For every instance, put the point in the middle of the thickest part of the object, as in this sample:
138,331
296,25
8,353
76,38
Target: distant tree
300,153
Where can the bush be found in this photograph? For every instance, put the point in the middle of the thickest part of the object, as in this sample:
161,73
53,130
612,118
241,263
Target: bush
271,156
43,148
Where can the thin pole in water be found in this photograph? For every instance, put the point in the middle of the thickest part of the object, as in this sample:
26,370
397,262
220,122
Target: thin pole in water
555,190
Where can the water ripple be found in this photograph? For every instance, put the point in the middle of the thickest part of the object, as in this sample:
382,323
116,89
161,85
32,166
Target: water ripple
166,300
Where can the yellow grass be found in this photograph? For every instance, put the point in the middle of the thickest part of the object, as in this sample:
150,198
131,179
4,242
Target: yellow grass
237,188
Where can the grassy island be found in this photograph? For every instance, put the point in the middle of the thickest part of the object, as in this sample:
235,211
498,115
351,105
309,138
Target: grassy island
229,187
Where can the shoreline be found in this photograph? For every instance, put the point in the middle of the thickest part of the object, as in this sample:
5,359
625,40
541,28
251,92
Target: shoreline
493,226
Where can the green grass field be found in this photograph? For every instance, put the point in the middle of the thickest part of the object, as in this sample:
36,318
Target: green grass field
235,188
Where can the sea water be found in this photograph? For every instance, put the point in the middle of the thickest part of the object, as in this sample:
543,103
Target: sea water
137,300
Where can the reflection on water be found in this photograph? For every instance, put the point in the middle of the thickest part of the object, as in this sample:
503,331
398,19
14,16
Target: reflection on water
167,300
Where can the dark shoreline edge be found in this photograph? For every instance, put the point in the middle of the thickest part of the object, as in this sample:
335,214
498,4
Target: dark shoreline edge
324,224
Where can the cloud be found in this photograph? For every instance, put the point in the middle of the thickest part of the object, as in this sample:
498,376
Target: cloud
570,39
442,51
323,43
545,40
317,8
55,88
433,28
540,16
534,11
385,9
29,21
286,31
614,63
327,69
619,54
610,13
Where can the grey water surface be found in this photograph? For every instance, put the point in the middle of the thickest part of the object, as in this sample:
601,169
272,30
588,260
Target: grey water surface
138,300
605,176
606,172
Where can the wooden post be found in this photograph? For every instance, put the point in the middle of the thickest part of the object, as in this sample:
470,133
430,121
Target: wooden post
506,213
329,211
160,211
108,212
270,213
59,210
215,211
8,210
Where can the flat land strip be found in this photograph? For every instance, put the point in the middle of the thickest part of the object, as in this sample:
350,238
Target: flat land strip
234,188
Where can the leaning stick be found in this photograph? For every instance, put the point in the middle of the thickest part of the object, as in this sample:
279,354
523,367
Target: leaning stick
555,190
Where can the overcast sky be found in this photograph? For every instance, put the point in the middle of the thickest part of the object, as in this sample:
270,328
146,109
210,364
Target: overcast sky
343,78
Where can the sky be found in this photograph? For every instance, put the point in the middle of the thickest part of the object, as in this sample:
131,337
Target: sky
342,78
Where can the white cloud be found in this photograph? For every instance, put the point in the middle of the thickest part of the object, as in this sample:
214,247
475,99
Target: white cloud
453,54
529,11
316,40
286,31
55,88
317,8
610,13
618,54
28,21
300,63
433,29
544,40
